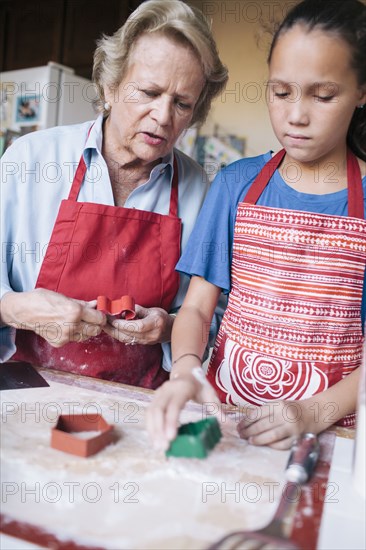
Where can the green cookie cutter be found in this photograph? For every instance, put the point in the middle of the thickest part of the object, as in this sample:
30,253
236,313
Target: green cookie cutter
196,439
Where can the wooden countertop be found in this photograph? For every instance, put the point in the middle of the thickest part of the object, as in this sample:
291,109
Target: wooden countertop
222,487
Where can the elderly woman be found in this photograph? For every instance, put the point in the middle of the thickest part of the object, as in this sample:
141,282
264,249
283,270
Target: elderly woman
114,216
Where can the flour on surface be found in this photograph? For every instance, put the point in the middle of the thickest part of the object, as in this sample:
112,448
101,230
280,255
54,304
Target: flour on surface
129,495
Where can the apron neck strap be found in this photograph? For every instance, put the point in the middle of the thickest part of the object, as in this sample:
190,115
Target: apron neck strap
79,175
356,207
78,180
354,180
262,179
173,209
81,171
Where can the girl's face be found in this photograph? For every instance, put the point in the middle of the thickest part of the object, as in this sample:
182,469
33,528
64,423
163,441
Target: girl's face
312,94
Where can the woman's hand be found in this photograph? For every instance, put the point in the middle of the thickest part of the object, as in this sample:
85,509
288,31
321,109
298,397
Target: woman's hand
152,326
275,424
162,415
53,316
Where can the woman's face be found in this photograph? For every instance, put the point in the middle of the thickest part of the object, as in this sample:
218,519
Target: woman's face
312,93
155,101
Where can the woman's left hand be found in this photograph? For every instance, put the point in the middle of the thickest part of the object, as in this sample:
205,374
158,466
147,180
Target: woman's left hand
152,326
275,424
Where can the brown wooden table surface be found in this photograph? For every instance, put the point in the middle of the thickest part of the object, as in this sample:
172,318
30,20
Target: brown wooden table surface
305,526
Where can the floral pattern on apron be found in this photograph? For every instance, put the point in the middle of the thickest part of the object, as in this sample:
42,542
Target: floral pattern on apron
292,327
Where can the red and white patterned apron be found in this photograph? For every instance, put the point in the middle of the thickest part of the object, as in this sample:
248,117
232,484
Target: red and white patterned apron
106,250
292,327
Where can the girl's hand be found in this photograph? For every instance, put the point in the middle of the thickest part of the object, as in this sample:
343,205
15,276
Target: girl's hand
163,413
275,424
152,326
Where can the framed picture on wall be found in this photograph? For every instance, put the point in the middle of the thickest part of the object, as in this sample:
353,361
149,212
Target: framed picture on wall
27,109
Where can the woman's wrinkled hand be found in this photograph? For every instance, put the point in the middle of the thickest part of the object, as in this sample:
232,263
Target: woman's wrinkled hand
53,316
152,326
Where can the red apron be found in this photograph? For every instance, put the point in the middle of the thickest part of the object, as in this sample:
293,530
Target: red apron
97,250
292,327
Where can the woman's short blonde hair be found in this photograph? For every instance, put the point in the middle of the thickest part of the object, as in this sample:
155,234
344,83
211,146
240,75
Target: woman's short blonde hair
176,20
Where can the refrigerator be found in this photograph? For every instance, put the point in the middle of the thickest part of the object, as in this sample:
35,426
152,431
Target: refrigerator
42,97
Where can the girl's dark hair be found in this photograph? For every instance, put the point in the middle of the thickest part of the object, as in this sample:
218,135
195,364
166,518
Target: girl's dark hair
347,19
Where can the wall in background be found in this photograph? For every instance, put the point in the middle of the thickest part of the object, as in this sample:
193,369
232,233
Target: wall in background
243,43
33,32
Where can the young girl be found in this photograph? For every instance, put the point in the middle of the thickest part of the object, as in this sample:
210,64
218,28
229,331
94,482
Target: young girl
285,235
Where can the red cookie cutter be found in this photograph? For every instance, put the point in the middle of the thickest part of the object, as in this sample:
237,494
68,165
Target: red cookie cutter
124,308
63,439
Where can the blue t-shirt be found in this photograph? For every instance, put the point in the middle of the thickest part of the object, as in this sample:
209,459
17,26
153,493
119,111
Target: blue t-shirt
209,250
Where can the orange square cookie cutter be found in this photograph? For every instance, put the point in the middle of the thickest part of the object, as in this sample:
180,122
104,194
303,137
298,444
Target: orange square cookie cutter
123,308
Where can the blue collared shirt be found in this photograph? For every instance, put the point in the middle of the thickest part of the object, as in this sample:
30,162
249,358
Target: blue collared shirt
36,175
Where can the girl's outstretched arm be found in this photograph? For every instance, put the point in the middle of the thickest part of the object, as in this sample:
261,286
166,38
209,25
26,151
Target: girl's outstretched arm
277,423
189,338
